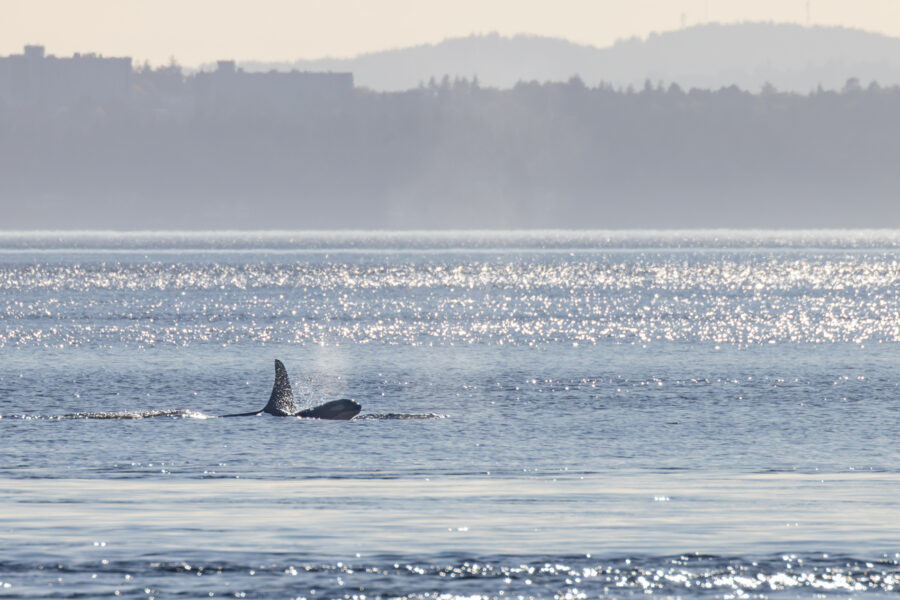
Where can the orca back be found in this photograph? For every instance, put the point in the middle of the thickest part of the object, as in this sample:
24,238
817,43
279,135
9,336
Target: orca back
336,410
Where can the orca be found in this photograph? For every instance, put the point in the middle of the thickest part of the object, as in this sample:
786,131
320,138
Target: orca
281,403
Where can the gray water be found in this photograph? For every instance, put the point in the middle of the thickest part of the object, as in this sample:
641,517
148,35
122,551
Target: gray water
545,415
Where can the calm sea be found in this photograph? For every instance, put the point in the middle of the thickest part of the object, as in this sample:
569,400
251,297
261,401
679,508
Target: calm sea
545,415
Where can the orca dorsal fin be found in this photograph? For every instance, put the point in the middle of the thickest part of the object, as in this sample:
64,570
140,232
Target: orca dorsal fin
281,402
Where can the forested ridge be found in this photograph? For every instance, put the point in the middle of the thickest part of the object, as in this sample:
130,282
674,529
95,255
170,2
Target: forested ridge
453,154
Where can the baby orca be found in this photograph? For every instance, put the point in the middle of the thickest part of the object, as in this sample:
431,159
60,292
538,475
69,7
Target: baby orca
281,403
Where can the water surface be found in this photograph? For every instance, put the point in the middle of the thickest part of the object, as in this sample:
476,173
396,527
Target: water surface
547,414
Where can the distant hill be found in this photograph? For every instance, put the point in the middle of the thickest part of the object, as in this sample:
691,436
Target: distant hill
790,57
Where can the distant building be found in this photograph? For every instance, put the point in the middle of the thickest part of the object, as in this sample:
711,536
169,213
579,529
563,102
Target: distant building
226,67
35,78
229,87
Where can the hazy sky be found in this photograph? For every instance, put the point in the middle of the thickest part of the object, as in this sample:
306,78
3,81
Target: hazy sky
199,31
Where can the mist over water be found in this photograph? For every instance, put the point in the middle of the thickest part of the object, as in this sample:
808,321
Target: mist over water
684,414
99,142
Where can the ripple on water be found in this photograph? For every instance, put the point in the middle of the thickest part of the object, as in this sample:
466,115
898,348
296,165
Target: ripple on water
122,415
691,576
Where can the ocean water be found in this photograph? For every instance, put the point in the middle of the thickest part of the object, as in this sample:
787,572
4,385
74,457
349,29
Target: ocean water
545,415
